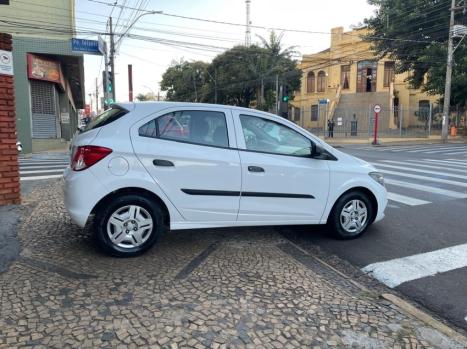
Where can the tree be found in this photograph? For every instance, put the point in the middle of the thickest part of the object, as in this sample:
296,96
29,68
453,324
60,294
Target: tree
415,34
145,97
184,81
238,76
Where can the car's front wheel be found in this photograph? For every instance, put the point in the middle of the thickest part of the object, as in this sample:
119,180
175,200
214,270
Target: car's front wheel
351,215
128,225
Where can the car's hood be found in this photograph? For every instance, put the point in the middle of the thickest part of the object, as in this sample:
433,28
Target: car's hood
364,165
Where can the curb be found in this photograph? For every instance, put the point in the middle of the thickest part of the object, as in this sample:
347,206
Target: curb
426,318
397,301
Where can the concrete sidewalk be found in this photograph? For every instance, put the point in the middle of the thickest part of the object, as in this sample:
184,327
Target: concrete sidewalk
217,288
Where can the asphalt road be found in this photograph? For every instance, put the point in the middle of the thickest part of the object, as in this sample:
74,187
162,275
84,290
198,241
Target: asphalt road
428,214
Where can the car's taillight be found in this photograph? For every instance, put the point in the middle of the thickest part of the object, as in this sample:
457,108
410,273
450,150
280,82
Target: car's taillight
86,156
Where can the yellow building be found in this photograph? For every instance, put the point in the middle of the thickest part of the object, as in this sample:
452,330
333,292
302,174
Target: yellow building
344,82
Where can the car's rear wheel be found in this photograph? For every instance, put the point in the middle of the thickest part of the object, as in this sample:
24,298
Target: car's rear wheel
128,225
351,215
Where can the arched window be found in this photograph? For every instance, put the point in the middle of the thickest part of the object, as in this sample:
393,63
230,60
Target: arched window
321,81
310,82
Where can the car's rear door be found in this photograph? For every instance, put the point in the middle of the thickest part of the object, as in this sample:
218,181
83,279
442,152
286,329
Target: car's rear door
280,183
191,153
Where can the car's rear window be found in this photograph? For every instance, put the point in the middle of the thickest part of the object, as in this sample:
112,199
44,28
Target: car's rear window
110,115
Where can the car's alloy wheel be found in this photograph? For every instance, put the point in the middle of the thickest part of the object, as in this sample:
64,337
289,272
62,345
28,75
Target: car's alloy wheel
351,215
129,224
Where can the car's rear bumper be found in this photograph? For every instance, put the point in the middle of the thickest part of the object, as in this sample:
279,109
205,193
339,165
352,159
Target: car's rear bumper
82,191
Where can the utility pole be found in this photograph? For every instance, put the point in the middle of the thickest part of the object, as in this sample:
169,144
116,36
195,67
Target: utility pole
97,98
130,82
277,94
248,24
215,86
112,57
106,77
447,88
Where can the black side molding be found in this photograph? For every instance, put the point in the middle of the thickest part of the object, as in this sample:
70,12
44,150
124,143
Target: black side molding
245,193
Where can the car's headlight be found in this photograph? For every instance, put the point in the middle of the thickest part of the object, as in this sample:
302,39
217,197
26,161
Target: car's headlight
378,177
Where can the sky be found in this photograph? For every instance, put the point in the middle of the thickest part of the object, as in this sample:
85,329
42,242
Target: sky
150,59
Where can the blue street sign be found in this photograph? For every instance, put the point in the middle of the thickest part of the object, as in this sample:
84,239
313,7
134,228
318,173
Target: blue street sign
323,101
86,46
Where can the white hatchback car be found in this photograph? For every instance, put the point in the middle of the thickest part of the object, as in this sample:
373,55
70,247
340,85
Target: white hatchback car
143,168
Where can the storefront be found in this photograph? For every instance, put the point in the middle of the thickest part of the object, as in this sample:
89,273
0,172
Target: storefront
49,89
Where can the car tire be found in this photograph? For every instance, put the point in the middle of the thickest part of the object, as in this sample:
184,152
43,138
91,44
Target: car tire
351,215
128,225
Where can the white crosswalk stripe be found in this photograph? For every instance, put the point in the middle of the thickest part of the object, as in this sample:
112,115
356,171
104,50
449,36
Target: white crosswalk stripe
397,271
451,149
42,167
407,200
424,166
423,179
444,174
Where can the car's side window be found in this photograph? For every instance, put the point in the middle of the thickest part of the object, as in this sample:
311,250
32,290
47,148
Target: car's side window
272,137
198,127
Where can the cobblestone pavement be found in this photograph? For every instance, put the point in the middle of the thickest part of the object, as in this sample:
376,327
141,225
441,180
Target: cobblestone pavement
223,288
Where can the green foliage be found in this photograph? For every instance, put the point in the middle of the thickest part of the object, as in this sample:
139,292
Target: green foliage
242,76
145,97
184,81
415,33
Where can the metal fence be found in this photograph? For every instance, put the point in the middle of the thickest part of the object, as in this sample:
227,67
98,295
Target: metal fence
396,123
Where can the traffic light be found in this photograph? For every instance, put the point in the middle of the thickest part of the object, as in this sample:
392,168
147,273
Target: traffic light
107,86
110,81
284,101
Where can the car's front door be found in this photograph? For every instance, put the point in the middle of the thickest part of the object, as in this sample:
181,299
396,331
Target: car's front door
281,183
191,154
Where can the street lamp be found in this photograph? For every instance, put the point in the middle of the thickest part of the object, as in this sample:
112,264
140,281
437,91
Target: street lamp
134,22
112,43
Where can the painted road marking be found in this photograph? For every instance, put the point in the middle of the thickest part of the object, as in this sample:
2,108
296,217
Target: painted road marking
444,174
44,163
397,271
407,200
39,167
434,149
457,153
435,190
430,179
450,162
36,178
41,171
410,163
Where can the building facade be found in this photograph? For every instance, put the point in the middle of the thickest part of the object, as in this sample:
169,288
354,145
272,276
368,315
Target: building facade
49,77
344,82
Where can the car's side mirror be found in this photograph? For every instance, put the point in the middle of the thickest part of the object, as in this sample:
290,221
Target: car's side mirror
316,150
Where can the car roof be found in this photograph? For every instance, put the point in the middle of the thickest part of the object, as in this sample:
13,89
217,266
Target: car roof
158,105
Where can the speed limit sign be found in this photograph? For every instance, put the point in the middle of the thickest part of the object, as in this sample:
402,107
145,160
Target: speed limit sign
377,108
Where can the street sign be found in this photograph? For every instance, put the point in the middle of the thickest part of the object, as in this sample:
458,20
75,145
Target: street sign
87,46
377,108
6,62
323,101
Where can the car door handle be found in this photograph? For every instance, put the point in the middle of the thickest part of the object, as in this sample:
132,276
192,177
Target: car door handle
165,163
255,169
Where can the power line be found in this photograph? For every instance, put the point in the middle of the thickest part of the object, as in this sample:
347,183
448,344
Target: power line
263,27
